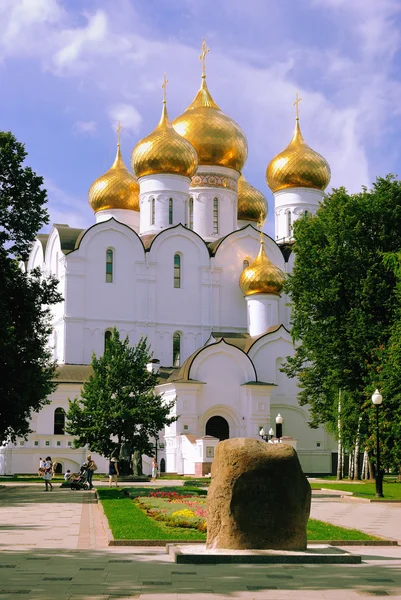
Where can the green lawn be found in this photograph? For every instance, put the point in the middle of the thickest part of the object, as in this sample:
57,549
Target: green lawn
128,522
391,491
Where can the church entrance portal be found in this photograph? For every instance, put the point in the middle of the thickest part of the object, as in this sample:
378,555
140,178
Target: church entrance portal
218,427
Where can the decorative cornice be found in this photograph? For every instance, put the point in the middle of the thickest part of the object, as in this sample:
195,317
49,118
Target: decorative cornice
212,180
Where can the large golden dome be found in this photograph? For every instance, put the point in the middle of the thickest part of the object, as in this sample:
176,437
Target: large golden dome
252,205
262,276
218,140
298,166
118,188
164,151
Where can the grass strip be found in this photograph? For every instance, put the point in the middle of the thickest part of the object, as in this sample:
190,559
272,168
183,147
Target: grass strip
128,522
391,491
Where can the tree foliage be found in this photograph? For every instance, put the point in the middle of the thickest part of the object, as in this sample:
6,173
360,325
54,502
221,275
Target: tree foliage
343,299
26,368
118,410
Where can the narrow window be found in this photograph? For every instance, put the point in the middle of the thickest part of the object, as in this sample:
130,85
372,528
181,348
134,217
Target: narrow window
176,349
245,264
152,211
306,212
107,338
191,213
215,215
170,211
177,271
109,265
59,421
289,226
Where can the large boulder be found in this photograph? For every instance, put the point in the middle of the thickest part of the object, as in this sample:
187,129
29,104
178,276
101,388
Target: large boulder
259,497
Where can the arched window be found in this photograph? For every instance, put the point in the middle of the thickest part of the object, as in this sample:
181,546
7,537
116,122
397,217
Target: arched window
109,265
245,264
177,271
289,224
215,215
170,211
59,421
306,213
152,211
107,337
176,349
191,213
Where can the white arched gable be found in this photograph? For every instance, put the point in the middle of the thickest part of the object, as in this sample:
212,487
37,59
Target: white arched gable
53,251
184,239
224,361
265,353
114,229
36,256
245,243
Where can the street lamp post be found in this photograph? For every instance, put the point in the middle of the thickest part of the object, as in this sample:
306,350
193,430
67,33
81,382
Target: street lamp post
267,437
377,399
279,427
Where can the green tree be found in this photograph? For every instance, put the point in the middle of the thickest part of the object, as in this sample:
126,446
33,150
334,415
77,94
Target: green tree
26,369
343,300
118,411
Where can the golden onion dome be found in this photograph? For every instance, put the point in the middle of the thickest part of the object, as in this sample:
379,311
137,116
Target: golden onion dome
252,205
164,151
298,166
218,140
117,188
262,276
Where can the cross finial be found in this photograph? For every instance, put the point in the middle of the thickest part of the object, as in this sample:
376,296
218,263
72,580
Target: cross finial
164,86
202,57
261,222
119,127
296,104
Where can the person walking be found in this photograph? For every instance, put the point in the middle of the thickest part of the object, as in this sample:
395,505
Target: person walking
154,469
91,468
41,468
113,472
48,474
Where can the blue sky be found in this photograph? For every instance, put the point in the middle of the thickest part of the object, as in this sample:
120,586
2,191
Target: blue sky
70,68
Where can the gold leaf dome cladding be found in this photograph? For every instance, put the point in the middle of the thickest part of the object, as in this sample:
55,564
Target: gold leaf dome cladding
164,151
262,276
252,205
298,166
117,188
218,140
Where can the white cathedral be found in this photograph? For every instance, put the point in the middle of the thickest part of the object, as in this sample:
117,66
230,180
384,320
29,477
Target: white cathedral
177,254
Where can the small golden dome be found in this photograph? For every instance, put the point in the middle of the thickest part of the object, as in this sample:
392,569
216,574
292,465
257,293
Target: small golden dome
218,140
164,151
118,188
298,166
252,205
262,276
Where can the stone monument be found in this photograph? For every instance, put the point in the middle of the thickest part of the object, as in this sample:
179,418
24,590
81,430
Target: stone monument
259,497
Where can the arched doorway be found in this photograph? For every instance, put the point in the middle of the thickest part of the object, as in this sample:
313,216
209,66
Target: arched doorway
218,427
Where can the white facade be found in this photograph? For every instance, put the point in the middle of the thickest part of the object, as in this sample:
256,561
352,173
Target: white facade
171,270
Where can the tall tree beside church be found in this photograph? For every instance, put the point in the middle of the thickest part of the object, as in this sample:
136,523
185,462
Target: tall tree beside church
26,368
118,411
343,300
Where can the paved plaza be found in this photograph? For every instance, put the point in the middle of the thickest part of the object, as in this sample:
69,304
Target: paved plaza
54,546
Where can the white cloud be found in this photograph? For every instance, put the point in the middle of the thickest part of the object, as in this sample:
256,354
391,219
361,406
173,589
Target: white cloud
128,115
65,208
89,127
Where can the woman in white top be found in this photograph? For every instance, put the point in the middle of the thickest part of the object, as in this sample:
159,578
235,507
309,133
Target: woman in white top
48,474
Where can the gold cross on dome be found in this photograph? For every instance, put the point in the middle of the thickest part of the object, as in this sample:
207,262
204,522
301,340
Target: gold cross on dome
119,127
296,104
202,57
164,86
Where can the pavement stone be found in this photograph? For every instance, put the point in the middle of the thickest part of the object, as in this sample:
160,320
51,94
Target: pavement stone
54,546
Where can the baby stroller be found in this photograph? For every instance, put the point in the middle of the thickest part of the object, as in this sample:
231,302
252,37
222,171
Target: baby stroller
80,481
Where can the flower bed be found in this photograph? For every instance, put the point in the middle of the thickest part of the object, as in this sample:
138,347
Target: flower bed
175,509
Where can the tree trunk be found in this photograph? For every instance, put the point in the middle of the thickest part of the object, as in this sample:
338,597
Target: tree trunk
356,452
340,444
364,474
351,465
